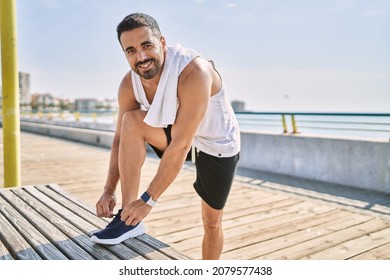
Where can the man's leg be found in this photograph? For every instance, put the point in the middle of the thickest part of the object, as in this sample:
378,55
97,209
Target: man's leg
131,156
213,234
132,151
214,178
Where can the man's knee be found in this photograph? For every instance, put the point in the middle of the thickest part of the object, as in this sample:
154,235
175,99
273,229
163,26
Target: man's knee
212,226
212,220
132,119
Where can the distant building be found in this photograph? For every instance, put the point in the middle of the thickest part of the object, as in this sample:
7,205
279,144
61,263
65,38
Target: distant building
24,91
93,104
108,105
238,106
66,104
44,102
85,104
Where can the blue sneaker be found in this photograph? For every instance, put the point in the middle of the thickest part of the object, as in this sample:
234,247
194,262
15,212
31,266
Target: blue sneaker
117,231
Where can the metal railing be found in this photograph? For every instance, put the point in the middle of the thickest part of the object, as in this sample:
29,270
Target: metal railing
373,125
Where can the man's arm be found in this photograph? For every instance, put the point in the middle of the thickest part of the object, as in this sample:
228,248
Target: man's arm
126,102
194,92
194,88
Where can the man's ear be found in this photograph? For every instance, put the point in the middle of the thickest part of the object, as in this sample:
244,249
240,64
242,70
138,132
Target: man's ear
163,42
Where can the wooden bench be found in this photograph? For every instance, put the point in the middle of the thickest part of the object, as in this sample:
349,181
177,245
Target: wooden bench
45,222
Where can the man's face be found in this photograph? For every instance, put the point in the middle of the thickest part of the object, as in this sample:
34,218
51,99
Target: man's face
144,51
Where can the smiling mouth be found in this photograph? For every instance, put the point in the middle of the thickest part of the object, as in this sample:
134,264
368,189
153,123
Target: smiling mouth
145,64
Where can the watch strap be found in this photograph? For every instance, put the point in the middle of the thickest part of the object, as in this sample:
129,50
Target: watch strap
148,199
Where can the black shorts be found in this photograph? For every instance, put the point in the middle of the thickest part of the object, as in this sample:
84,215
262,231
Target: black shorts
214,175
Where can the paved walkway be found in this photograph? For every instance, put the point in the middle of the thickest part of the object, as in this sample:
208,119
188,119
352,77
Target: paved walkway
267,216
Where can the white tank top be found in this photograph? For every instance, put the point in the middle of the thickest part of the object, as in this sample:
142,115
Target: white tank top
218,134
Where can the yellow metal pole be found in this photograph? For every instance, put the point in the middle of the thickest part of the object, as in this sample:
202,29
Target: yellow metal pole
114,116
284,124
10,81
77,116
294,124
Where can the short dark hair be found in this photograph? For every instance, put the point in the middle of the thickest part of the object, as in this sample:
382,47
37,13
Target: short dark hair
136,20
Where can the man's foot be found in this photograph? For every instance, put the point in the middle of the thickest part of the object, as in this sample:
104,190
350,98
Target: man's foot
117,231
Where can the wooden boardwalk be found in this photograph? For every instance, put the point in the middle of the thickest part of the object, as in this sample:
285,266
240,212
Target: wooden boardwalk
266,217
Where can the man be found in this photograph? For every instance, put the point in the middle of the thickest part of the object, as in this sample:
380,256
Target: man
174,100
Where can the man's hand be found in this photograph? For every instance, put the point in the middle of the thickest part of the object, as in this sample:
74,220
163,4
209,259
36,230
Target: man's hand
135,212
105,205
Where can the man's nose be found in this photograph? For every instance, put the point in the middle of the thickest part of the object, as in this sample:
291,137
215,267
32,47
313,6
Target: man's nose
141,56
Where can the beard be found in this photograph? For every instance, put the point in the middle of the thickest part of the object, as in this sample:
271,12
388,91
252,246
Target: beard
151,73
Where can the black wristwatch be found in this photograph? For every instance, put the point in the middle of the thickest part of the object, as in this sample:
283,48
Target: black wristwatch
148,199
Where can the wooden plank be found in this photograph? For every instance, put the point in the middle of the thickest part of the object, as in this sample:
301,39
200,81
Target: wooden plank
267,211
324,241
145,250
162,247
81,247
36,240
4,253
18,247
75,199
71,203
351,248
379,253
63,207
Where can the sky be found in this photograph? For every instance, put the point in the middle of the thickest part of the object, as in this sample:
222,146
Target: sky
275,55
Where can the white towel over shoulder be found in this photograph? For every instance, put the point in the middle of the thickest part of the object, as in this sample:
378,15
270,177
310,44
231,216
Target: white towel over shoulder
162,111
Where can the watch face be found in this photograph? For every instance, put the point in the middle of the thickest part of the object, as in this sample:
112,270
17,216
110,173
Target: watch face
147,199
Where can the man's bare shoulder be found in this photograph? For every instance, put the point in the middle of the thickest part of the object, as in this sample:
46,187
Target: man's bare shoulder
125,92
198,66
200,70
126,86
126,83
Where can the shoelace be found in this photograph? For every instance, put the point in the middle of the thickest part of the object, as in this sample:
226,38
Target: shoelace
116,220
